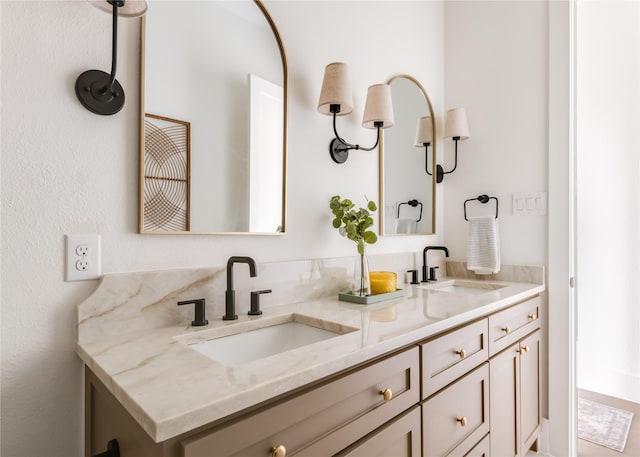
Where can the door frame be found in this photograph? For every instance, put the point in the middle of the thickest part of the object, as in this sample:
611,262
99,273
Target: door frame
562,411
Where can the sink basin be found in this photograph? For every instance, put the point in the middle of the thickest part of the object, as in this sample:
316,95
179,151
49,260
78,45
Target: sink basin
247,343
463,287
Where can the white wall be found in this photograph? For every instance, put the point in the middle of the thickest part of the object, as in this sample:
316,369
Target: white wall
608,166
496,67
66,170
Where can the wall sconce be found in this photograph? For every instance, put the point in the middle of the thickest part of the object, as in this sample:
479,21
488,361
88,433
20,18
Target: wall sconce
98,91
424,136
336,99
456,128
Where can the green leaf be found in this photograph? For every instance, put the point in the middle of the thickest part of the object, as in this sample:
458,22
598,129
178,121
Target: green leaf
372,205
337,222
370,237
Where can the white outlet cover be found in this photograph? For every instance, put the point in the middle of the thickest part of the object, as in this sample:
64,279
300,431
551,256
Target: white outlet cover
91,262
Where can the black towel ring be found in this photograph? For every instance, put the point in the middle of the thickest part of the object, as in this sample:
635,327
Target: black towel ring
482,199
413,203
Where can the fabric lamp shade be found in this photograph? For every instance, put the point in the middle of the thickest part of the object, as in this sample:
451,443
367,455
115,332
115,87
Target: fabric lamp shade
336,89
378,107
423,131
456,124
131,8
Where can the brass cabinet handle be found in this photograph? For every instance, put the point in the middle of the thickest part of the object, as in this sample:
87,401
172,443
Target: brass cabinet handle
532,317
387,394
526,349
506,329
462,353
279,451
521,350
462,420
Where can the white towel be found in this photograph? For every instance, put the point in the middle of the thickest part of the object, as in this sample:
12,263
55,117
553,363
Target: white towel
483,246
406,226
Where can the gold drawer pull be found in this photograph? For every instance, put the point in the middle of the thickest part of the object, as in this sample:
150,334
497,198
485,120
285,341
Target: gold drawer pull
532,317
521,350
462,420
387,394
506,330
462,353
279,451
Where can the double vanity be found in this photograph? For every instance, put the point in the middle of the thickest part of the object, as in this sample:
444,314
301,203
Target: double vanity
451,368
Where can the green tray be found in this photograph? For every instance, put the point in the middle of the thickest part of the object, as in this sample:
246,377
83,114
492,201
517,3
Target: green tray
369,299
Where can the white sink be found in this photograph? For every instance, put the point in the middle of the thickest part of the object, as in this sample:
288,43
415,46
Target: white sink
463,287
247,343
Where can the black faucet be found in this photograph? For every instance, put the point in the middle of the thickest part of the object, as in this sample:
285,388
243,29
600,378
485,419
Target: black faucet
230,296
199,319
431,277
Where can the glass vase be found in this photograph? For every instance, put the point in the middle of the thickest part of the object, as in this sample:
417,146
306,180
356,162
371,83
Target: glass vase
361,282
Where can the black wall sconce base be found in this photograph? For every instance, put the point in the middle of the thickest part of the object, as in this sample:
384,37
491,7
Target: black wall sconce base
98,94
338,152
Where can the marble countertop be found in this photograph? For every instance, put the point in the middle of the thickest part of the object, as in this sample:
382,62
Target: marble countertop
170,388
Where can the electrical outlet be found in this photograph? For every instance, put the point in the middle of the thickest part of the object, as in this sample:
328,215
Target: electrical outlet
83,257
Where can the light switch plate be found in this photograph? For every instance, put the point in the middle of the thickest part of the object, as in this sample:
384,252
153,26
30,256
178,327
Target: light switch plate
83,259
529,203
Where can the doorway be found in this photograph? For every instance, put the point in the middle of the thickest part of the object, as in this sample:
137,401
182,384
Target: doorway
607,196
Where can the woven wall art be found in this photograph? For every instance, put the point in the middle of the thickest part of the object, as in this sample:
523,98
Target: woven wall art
167,182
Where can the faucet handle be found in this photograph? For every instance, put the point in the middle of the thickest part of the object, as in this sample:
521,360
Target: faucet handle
432,273
199,319
414,276
255,301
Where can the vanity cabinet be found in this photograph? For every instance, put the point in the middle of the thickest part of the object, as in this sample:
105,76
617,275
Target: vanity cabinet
515,410
471,391
324,420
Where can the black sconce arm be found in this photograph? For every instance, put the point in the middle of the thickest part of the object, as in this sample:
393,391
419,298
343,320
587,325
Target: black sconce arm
339,148
114,44
439,170
348,146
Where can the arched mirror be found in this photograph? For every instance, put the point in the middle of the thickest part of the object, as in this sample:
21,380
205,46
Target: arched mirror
214,119
407,191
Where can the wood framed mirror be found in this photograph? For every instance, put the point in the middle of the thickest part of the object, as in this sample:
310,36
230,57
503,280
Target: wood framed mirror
213,141
407,191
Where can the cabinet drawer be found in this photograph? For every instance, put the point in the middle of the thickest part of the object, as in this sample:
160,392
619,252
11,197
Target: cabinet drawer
482,449
447,357
509,325
346,408
400,438
455,419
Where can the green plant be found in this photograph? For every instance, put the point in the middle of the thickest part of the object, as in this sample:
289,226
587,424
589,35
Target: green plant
352,223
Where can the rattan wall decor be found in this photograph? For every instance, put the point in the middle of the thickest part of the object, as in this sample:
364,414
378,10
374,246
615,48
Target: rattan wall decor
167,174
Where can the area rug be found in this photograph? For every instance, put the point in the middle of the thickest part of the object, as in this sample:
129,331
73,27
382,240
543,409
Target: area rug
603,425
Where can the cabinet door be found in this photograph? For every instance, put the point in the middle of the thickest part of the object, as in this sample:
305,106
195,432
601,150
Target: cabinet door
515,397
400,438
529,390
503,410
